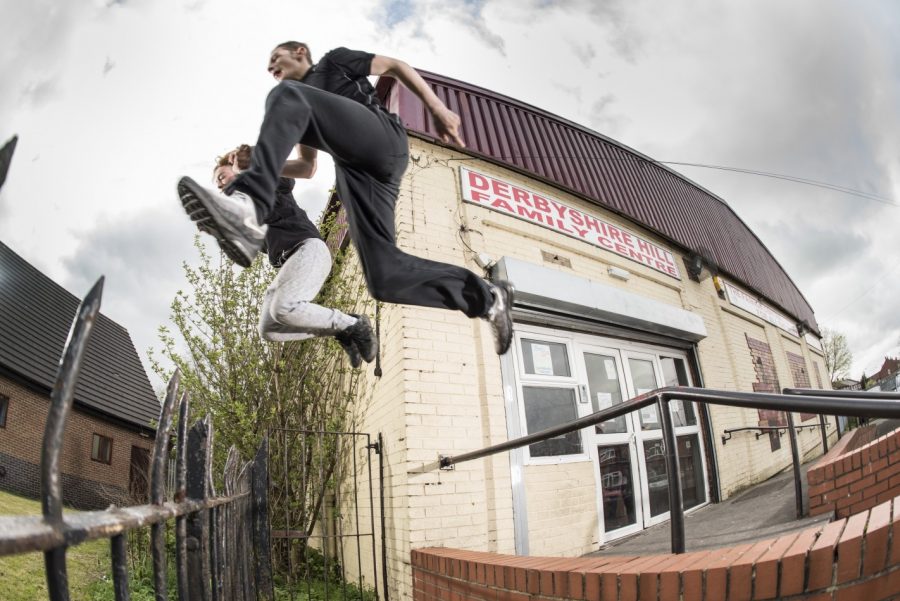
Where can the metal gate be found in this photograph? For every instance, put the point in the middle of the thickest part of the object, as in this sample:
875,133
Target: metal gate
327,527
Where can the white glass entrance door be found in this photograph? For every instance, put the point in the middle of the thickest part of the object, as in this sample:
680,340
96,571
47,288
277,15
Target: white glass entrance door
630,452
561,376
687,434
620,491
641,377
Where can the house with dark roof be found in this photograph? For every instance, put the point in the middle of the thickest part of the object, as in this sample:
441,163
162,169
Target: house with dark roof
110,432
887,378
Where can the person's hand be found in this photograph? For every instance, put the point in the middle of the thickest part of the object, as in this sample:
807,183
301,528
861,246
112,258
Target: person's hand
233,161
447,124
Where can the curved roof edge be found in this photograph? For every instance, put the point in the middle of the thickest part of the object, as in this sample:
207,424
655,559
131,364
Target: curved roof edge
607,173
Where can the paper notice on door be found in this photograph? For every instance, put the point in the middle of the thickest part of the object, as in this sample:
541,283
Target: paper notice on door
604,401
609,366
648,415
543,360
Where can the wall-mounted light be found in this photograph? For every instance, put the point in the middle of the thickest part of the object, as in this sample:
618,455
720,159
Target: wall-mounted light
619,273
700,265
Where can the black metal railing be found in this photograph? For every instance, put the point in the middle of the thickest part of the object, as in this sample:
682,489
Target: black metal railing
727,433
872,404
222,541
344,532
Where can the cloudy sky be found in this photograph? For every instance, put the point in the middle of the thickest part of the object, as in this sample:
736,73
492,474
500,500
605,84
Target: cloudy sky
113,100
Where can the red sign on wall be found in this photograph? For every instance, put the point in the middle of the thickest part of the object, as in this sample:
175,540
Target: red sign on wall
504,197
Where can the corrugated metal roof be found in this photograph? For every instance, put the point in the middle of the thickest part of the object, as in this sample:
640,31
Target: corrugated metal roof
35,318
607,173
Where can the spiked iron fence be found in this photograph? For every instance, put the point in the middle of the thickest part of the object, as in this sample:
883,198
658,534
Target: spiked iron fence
222,546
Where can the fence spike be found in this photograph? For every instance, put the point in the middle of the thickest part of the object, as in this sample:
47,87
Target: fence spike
262,545
160,463
61,402
158,469
60,405
180,484
197,525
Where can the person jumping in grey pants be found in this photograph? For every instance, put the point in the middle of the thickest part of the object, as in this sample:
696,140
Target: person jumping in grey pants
303,261
331,106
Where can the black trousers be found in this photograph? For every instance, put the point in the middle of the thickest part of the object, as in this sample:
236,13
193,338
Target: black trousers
370,152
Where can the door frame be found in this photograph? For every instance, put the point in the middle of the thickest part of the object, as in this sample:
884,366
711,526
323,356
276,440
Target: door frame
577,343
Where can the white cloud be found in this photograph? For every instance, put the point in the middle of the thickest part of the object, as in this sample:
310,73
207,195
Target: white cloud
807,88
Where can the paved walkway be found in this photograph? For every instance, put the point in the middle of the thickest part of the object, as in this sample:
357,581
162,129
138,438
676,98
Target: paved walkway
763,511
766,510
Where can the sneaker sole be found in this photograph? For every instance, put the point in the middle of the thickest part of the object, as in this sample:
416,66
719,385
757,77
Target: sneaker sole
197,205
371,357
510,298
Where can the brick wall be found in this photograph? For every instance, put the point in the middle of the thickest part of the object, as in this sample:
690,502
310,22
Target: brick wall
87,484
764,365
851,559
800,375
852,481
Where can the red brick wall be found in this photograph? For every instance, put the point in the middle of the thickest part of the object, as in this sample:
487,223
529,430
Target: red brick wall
86,483
800,376
855,559
850,482
766,381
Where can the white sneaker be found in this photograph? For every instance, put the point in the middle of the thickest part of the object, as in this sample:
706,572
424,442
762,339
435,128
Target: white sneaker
231,220
500,315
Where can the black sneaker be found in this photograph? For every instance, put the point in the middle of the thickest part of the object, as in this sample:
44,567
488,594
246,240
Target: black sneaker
350,348
231,220
359,341
500,315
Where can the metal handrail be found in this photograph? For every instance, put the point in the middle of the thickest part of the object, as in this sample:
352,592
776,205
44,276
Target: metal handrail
727,432
879,404
25,534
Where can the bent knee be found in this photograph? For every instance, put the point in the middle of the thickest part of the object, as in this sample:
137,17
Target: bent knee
283,312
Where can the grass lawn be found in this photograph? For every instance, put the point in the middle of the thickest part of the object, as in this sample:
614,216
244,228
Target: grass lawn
22,576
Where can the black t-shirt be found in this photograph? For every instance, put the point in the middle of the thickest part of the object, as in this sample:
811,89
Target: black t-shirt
345,72
289,225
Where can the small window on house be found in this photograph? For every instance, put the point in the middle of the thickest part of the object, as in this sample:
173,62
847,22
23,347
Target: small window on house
101,449
4,407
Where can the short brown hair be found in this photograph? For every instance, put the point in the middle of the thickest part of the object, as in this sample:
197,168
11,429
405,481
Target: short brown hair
292,46
242,155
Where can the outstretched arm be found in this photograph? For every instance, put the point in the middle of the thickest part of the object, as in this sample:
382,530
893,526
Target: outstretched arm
446,121
303,167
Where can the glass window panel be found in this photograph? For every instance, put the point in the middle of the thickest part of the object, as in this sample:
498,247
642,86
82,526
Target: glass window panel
657,476
693,488
548,407
101,448
544,358
675,374
644,381
605,390
617,483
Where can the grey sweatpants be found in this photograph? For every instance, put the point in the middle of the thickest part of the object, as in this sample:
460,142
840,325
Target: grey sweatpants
288,312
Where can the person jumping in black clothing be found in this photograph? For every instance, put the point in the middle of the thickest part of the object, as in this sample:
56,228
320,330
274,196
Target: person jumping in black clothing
331,106
296,249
